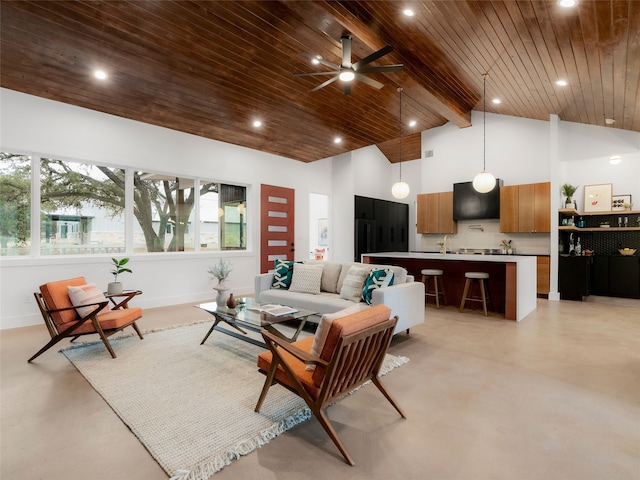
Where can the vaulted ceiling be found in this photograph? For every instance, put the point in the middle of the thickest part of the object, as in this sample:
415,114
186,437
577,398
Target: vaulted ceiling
212,67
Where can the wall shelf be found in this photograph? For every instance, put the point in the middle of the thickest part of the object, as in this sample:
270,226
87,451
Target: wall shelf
572,211
573,228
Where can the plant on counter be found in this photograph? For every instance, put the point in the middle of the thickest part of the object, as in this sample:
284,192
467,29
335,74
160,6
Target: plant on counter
506,243
568,190
627,206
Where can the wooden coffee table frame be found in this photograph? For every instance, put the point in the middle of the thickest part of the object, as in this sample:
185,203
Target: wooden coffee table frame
267,322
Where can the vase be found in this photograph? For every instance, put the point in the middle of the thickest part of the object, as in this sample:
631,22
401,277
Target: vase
221,297
231,303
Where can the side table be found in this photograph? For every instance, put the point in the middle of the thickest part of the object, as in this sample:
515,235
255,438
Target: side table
121,300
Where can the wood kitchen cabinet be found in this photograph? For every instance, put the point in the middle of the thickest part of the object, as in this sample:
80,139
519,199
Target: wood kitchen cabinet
525,208
543,275
435,213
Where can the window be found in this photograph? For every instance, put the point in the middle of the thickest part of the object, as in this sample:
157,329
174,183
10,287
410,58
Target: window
81,208
165,214
223,217
15,204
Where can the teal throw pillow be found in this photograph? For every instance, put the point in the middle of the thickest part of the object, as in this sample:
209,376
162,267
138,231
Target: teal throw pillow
283,274
377,278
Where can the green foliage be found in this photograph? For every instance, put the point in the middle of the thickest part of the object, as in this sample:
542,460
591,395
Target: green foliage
568,190
119,267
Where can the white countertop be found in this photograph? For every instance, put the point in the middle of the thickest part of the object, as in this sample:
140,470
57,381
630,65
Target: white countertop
457,256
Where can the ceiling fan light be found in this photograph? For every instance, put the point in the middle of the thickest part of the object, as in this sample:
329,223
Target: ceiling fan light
347,76
400,190
484,182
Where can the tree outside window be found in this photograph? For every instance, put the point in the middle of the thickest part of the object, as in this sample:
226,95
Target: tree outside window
15,204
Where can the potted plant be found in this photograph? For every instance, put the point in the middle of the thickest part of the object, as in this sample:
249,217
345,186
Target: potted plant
568,190
627,206
221,271
115,287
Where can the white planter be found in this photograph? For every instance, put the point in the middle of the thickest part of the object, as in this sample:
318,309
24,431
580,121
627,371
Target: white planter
222,296
114,288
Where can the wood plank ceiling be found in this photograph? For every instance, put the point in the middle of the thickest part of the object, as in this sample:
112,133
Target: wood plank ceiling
211,67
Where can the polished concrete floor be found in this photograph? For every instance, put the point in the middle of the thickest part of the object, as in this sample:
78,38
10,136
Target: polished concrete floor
556,396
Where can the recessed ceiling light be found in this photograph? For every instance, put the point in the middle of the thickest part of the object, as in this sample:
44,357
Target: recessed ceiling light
257,123
316,60
496,101
408,12
412,123
567,3
337,140
100,74
615,159
562,83
609,121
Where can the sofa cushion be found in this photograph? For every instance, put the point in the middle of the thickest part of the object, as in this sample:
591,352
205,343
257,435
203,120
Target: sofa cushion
354,283
377,278
306,278
85,294
283,273
330,274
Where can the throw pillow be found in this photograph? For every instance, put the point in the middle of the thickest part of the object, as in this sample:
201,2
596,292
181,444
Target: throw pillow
282,275
85,294
306,278
377,278
354,283
325,324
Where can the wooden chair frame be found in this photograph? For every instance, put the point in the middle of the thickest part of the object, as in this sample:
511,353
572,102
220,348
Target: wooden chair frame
356,359
56,336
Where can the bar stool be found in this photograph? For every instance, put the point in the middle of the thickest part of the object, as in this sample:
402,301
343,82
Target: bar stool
484,297
438,290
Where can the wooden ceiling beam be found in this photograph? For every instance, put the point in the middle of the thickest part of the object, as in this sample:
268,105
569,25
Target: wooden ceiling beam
448,107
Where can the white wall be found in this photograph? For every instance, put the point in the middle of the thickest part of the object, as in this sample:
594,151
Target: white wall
35,125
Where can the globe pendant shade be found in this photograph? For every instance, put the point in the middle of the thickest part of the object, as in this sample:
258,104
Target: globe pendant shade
484,182
400,190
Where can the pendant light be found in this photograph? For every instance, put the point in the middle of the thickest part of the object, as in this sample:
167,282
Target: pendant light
484,182
400,189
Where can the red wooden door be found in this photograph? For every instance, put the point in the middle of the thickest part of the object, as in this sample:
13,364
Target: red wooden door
276,225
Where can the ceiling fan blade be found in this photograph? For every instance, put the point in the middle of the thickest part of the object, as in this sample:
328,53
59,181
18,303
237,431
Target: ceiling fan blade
380,69
346,51
369,81
374,56
322,61
324,84
311,74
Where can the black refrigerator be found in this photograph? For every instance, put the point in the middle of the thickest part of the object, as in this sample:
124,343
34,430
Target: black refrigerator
574,277
380,226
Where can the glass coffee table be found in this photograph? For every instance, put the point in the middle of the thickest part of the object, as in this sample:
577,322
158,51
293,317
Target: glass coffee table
247,317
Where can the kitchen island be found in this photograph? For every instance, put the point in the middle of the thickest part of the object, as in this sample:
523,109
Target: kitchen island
512,281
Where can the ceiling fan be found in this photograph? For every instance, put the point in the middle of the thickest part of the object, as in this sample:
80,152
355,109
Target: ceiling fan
347,71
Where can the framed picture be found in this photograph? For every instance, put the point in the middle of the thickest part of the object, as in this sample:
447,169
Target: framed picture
597,198
618,202
323,231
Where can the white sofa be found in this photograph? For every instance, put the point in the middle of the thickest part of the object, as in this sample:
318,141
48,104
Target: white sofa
405,297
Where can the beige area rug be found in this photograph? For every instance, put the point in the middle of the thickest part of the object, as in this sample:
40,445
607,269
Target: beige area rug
191,405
